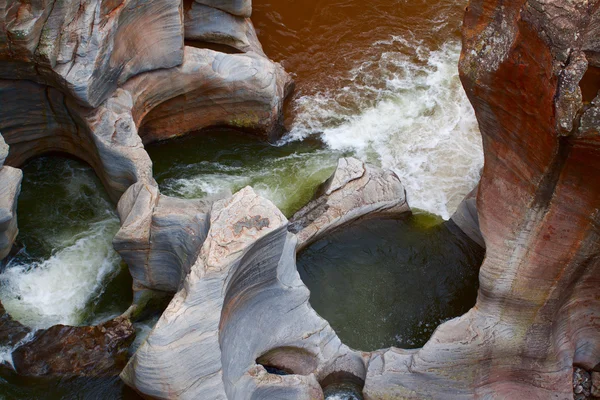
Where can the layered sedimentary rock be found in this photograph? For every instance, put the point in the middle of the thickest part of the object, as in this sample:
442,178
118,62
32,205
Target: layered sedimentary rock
538,309
244,91
88,48
212,25
242,308
355,190
76,351
241,8
96,81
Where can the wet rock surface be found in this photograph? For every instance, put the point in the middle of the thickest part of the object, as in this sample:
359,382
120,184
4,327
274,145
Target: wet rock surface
242,312
67,351
11,331
355,190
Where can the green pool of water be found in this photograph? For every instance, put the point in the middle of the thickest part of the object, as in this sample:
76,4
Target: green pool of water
66,271
210,162
383,283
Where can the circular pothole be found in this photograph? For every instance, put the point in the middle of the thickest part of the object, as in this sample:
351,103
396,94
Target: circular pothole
386,282
342,386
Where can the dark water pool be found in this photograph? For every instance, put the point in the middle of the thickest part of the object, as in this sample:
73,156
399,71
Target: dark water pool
383,283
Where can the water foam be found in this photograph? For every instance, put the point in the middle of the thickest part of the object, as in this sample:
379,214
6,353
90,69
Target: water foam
56,289
406,111
288,181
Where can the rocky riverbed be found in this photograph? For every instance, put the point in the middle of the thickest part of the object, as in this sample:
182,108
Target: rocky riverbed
215,271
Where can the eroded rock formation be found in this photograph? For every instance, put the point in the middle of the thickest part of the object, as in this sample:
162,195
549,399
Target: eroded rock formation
10,187
241,312
355,190
68,351
242,304
537,313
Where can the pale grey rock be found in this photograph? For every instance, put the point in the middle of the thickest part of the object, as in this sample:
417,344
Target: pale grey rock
466,218
10,187
36,119
160,237
212,25
355,190
241,8
242,301
3,151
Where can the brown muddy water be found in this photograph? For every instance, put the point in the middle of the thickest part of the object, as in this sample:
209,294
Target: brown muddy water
376,80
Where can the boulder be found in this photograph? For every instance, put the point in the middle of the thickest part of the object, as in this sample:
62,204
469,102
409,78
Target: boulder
76,351
241,314
86,49
244,91
160,237
355,190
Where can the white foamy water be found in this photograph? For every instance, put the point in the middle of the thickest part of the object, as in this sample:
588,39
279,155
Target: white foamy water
406,111
288,181
78,227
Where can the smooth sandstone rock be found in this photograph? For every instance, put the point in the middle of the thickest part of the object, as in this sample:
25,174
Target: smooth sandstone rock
160,237
466,218
212,25
242,303
67,351
355,190
244,91
10,187
91,81
87,49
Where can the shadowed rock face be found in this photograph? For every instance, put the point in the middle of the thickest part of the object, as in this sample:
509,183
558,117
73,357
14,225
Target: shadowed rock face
212,25
10,187
538,309
76,351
